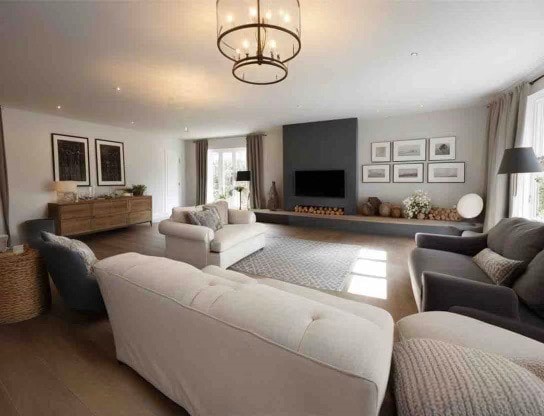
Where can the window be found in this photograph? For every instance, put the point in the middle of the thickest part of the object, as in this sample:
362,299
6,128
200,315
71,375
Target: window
529,202
222,167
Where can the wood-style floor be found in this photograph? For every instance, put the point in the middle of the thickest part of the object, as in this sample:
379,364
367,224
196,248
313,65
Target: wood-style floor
63,363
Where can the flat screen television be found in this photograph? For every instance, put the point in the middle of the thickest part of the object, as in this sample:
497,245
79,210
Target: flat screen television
323,183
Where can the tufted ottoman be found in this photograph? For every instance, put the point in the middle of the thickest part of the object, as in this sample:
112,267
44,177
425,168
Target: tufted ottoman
220,343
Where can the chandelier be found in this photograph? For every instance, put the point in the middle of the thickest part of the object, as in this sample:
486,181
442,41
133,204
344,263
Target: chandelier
260,37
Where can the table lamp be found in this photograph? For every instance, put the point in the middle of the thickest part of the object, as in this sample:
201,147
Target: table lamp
242,176
519,160
66,191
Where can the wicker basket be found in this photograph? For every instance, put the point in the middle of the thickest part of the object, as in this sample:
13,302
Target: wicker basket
24,286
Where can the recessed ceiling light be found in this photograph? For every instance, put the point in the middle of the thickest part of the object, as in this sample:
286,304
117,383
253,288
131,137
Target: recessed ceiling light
414,54
132,122
118,89
377,111
186,129
421,105
59,107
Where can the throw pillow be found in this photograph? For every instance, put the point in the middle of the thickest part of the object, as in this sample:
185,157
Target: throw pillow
501,270
222,208
79,247
215,212
530,285
435,378
205,218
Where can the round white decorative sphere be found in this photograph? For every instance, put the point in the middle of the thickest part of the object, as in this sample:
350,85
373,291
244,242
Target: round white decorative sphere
470,205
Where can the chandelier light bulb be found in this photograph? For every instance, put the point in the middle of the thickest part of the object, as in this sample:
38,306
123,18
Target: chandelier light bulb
253,11
245,44
230,18
272,44
286,18
268,15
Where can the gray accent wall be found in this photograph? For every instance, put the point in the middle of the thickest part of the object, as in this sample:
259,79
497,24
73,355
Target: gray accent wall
323,145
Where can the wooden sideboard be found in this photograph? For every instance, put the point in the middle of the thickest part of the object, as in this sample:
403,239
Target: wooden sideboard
84,217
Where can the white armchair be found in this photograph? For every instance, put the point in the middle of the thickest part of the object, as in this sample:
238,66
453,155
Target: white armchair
200,246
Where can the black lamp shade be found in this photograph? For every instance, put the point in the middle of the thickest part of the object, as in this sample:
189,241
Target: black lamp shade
243,176
519,160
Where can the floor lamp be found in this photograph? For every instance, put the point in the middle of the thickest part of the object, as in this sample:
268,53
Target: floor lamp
519,160
243,176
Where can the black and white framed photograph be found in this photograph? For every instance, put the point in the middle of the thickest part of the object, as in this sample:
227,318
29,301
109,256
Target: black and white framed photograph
71,159
380,152
442,148
110,162
408,173
446,172
376,173
409,150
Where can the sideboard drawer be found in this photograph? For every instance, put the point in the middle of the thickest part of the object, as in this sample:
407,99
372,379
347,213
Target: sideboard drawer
140,205
138,217
75,211
75,226
111,221
110,208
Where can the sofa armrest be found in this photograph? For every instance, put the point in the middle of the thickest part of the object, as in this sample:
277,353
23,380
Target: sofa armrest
511,324
237,216
186,231
441,292
469,246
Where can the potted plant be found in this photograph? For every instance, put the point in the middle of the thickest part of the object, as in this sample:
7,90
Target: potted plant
137,190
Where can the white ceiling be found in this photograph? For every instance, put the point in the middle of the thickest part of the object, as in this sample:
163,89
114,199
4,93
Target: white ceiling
355,61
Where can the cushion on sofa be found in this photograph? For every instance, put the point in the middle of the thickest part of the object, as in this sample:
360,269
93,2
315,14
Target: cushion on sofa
76,246
484,383
179,214
207,218
223,209
517,238
425,259
232,234
501,270
530,285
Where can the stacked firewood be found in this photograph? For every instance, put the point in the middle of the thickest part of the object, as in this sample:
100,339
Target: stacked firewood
444,214
309,209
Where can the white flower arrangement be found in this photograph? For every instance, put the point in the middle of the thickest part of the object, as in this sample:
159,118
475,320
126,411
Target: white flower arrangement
418,202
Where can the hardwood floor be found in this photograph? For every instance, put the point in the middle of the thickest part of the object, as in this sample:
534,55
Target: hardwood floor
63,363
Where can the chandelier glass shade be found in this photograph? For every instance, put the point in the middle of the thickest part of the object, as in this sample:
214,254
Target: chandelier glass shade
259,36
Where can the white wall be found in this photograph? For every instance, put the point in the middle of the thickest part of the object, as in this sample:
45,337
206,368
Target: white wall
30,167
468,125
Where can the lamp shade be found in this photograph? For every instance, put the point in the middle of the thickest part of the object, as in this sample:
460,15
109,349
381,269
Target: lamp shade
519,160
65,186
243,176
470,205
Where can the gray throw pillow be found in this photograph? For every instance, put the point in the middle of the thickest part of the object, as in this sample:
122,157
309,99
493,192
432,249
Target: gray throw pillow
517,238
530,285
501,270
79,247
205,218
434,378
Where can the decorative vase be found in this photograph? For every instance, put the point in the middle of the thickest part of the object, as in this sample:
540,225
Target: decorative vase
385,209
396,211
273,198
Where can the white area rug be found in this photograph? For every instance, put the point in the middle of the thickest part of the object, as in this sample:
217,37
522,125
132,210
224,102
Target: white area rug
303,262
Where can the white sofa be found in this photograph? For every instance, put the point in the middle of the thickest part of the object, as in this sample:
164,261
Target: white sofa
220,343
200,246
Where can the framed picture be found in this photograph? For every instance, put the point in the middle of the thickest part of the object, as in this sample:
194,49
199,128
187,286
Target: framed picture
446,172
380,152
71,159
110,162
376,173
409,150
408,173
442,148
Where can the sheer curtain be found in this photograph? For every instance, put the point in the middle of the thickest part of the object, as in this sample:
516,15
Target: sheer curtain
4,192
504,131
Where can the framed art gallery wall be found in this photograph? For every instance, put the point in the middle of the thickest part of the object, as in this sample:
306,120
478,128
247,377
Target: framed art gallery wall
467,125
28,138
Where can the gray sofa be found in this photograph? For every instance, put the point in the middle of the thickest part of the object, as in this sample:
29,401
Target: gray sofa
444,277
